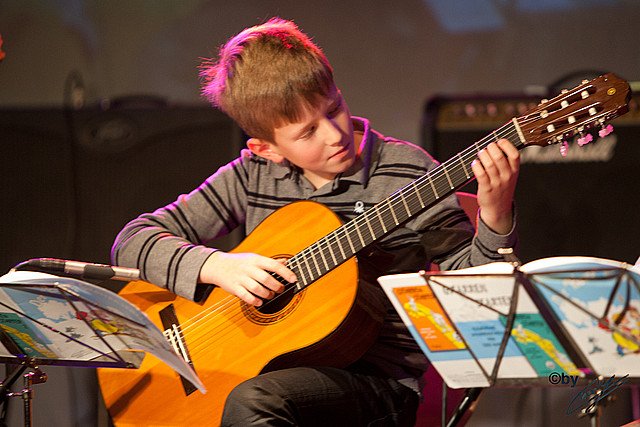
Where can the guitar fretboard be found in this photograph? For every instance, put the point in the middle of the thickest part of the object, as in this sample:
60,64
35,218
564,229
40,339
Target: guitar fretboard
338,246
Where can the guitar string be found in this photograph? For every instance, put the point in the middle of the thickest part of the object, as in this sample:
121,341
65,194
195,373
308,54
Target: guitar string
388,207
395,203
216,335
221,305
358,222
313,247
364,218
394,200
219,308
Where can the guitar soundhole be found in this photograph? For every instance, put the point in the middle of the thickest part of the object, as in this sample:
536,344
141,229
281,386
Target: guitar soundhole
275,309
277,303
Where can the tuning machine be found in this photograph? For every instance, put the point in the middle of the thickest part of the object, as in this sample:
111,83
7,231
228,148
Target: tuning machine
606,130
584,139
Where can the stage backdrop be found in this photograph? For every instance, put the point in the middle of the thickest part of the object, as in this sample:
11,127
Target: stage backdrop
74,178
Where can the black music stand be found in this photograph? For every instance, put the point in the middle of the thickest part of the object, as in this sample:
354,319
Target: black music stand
472,393
453,297
617,281
50,320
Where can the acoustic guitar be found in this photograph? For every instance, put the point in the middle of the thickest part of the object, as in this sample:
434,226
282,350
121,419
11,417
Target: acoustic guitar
326,317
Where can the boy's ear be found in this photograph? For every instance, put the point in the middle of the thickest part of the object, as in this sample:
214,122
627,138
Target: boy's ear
264,149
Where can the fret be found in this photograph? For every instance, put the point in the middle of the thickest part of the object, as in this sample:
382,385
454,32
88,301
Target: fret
299,275
523,140
362,221
402,215
313,258
495,136
353,250
359,234
366,219
444,186
392,212
447,175
340,246
433,187
293,264
384,228
466,172
415,189
333,257
406,206
306,262
324,260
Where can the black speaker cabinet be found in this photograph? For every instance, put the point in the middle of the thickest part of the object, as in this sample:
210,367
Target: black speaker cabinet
583,204
72,179
36,213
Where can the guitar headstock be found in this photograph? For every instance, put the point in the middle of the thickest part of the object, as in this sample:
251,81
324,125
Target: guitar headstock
575,111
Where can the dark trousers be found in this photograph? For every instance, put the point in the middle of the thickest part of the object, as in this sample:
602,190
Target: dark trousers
320,396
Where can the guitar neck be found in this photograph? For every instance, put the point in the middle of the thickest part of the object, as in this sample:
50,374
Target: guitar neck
332,250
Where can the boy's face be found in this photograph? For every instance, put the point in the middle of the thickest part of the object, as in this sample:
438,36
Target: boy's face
321,143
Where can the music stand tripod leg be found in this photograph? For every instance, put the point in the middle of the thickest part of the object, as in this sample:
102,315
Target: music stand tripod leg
29,379
5,385
470,396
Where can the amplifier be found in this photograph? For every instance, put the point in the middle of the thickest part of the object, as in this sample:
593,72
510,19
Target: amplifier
73,178
584,203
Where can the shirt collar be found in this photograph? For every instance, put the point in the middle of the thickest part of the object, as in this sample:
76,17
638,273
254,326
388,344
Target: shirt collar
281,170
368,153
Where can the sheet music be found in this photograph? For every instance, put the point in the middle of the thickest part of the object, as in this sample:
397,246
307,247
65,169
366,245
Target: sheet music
62,321
608,351
435,313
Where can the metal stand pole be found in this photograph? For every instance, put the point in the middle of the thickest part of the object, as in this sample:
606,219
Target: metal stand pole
30,378
470,396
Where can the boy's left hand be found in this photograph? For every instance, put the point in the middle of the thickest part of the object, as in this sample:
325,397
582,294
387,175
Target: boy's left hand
496,171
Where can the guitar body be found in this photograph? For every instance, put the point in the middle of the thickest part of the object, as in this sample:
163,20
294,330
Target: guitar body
332,323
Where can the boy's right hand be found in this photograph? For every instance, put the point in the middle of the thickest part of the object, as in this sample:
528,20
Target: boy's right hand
245,275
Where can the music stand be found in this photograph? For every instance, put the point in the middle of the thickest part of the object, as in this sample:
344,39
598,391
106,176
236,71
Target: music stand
50,320
595,304
588,291
488,326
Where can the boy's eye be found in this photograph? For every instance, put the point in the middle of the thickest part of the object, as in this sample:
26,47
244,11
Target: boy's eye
310,132
335,109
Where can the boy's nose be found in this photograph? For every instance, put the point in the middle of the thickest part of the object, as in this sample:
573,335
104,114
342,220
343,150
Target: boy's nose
333,135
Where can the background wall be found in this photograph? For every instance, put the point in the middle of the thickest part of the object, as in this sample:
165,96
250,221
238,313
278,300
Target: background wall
389,58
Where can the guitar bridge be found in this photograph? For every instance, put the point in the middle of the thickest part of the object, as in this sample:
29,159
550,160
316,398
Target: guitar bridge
173,332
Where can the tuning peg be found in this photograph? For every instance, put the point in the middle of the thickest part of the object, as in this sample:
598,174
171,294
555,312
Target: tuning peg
564,147
585,139
605,131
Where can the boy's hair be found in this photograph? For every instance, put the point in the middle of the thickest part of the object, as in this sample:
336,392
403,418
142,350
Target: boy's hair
267,76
